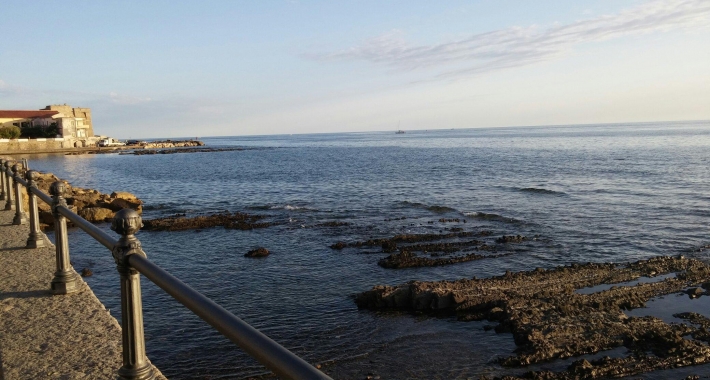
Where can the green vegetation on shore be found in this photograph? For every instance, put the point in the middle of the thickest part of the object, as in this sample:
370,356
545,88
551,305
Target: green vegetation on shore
10,132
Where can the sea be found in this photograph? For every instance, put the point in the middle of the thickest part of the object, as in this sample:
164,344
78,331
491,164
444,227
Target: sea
581,193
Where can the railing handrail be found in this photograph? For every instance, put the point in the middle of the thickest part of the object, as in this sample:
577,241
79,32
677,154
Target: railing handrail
42,195
98,234
272,355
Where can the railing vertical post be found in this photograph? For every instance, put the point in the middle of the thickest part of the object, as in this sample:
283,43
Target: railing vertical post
20,217
136,365
2,179
65,280
36,237
9,204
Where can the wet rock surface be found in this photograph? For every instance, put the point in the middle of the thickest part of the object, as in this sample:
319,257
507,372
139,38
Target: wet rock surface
259,252
407,259
428,250
549,320
180,222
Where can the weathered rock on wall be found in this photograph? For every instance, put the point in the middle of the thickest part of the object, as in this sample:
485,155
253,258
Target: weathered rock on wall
24,145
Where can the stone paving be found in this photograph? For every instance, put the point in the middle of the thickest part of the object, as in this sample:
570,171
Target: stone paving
45,336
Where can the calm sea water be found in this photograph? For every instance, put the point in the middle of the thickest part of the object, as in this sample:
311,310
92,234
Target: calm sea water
592,193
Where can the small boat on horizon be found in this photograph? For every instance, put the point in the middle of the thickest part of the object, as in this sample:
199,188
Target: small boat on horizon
399,131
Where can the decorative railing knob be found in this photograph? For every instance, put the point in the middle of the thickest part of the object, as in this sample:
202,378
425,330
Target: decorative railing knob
36,237
9,199
57,189
136,365
2,180
127,222
20,217
31,176
66,280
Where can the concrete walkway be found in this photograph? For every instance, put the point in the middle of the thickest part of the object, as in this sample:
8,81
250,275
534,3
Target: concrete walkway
44,336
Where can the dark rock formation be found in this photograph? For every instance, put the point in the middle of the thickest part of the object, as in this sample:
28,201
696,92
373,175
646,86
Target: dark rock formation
389,246
179,222
86,272
259,252
443,248
505,239
406,259
408,238
332,224
549,320
339,245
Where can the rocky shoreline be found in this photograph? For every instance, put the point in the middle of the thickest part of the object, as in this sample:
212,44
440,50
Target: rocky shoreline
549,320
90,204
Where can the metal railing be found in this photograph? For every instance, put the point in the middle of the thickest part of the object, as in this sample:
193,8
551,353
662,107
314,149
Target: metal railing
130,261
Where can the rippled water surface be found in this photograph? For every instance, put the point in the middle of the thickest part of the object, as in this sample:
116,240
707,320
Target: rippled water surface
589,193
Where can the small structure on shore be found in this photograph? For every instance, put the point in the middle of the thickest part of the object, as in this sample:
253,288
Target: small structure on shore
64,125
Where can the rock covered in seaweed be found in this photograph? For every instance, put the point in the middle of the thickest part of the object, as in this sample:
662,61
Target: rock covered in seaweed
180,222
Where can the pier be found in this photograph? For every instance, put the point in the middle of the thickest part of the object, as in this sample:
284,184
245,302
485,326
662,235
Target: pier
51,323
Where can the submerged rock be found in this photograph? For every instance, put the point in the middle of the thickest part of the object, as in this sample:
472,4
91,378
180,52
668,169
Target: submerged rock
259,252
441,249
406,259
180,222
339,245
389,246
505,239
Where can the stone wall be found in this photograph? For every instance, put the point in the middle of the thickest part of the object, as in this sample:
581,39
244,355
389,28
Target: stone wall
27,145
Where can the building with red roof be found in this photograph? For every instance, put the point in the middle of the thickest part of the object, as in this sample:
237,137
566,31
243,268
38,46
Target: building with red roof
72,123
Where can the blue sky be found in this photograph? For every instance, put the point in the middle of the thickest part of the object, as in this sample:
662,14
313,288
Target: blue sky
178,68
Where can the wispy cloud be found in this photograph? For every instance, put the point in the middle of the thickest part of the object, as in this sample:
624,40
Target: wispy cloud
521,46
123,99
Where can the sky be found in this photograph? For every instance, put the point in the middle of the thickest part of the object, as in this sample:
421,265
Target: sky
225,68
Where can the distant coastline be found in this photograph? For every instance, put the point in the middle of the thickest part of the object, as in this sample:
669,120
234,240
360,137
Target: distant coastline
40,146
